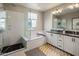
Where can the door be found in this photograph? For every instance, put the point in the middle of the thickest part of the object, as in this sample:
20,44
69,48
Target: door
49,38
69,44
54,39
76,47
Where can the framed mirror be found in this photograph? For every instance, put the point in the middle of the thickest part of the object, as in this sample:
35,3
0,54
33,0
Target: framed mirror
75,23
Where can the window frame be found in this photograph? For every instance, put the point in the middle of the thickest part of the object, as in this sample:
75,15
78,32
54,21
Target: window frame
30,18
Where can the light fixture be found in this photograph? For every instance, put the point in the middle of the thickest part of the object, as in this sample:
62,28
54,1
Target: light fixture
76,5
71,7
57,11
60,10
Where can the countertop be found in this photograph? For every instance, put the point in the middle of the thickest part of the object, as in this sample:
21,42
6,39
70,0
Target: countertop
71,35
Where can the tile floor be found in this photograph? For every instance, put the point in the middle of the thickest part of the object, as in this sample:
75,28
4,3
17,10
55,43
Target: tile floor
48,50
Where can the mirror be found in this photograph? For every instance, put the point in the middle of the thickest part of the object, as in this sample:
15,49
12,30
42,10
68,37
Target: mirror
75,23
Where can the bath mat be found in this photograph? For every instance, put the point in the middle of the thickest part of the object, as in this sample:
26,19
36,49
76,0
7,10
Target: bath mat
35,52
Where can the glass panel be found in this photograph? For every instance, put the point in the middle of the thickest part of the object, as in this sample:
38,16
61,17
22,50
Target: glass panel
2,24
31,24
34,23
33,16
2,14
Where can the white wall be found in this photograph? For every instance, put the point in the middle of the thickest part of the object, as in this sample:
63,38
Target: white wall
47,20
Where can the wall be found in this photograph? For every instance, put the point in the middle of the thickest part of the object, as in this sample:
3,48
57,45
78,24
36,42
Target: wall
47,20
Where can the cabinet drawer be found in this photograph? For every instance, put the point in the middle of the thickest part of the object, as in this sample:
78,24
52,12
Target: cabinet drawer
60,40
60,46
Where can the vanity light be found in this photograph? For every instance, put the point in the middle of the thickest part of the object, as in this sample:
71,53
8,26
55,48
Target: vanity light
76,5
71,7
60,10
54,12
57,11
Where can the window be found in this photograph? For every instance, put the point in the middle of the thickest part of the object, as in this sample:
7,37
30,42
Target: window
2,20
32,19
2,23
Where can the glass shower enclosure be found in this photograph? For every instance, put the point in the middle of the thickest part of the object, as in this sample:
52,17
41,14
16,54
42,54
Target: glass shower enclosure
2,28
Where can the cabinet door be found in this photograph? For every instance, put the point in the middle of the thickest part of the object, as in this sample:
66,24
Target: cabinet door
48,37
54,39
76,46
68,44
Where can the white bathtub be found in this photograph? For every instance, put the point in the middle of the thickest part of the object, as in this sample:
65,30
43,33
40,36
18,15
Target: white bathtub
29,44
33,42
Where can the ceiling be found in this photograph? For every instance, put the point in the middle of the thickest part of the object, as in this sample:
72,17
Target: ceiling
40,6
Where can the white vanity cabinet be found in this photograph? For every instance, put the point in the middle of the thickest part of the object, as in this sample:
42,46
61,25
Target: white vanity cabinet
49,38
69,44
66,43
60,41
54,39
76,46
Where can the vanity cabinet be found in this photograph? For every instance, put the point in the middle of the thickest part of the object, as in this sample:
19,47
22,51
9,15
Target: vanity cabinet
76,46
54,39
49,38
66,43
69,44
60,41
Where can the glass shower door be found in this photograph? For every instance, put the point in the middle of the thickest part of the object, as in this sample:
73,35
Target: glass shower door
2,28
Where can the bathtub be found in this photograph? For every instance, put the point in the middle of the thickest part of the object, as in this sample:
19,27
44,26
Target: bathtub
33,42
29,44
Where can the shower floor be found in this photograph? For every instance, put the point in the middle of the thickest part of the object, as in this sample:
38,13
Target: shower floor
11,48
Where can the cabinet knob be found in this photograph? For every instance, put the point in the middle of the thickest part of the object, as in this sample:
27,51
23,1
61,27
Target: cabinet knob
60,40
73,39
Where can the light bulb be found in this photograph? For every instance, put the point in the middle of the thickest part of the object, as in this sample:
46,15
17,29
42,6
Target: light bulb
71,7
76,5
60,10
